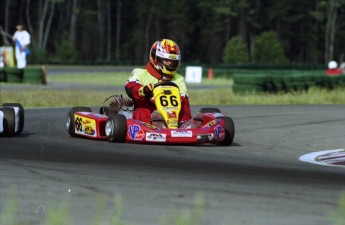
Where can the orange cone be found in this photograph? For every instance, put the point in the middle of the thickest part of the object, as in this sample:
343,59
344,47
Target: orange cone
210,74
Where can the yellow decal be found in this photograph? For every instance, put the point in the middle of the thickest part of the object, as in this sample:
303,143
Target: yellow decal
168,102
85,126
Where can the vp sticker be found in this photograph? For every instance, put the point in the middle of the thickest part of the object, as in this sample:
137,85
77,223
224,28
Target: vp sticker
135,132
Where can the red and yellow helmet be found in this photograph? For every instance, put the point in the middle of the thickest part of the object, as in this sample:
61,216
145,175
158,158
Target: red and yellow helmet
165,57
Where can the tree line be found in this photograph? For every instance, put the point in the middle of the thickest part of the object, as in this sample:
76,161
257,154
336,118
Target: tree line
212,32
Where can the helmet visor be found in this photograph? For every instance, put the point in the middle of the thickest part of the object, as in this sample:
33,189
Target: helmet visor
169,64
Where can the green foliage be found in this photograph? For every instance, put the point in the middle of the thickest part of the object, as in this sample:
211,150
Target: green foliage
268,49
235,51
36,55
66,50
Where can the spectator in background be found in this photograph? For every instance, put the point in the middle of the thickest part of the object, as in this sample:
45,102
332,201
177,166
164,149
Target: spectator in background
21,39
333,69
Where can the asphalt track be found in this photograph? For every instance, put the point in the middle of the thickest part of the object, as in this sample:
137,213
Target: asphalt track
258,180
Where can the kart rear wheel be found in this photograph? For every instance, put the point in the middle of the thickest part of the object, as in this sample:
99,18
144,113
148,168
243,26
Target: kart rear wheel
229,128
9,123
116,128
70,123
209,110
21,114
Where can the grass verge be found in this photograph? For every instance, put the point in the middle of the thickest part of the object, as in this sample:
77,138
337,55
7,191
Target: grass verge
222,95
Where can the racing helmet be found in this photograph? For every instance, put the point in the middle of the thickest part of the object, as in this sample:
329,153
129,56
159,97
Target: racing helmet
165,57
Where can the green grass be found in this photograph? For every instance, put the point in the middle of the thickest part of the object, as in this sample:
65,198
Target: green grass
59,212
43,97
225,96
118,78
338,216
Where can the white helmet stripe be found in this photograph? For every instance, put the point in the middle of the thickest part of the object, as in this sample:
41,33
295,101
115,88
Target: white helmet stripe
167,55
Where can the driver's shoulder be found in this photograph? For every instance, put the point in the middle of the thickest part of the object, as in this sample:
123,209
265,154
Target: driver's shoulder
178,77
138,72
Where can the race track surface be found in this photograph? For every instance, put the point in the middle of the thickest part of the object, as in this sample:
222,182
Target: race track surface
258,180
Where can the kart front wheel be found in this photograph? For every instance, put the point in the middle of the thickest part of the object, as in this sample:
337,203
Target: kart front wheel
229,128
20,113
70,123
116,128
9,123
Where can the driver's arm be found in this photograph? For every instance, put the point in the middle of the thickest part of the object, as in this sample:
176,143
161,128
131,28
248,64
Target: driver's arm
134,84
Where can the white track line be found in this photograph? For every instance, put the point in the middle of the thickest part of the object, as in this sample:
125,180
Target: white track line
325,158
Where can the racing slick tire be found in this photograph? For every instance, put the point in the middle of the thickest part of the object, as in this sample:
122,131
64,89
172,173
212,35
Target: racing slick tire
70,124
209,110
8,122
21,115
229,128
116,128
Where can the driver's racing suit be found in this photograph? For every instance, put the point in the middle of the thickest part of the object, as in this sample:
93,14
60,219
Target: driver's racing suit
143,107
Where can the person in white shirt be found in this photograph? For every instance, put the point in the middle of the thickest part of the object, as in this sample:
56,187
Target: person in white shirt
21,39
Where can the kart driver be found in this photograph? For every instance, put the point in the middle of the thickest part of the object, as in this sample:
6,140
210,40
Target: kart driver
164,59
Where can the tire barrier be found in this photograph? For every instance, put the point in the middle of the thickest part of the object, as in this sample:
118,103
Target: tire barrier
33,75
295,81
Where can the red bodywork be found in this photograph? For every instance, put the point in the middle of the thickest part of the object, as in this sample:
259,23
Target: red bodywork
92,125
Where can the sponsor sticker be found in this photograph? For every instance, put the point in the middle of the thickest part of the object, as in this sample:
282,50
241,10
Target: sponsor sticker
201,138
135,132
170,108
181,133
151,126
156,137
85,126
171,114
219,131
211,124
172,123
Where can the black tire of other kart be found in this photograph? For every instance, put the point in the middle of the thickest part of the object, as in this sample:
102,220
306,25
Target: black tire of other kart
104,110
9,122
118,128
70,117
21,114
229,128
209,110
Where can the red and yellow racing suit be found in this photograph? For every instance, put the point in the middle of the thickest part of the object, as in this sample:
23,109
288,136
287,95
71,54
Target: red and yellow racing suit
143,107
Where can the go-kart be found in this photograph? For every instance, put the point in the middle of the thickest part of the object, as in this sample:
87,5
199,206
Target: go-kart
115,122
11,119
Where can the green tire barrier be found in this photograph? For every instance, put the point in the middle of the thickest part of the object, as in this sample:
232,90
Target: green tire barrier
284,82
34,75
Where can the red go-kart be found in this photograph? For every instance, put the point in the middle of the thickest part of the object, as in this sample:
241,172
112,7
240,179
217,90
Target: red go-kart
115,122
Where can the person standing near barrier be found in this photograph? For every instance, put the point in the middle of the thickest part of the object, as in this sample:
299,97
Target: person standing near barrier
21,39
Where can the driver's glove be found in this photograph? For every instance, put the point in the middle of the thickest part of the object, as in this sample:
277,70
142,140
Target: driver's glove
146,91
